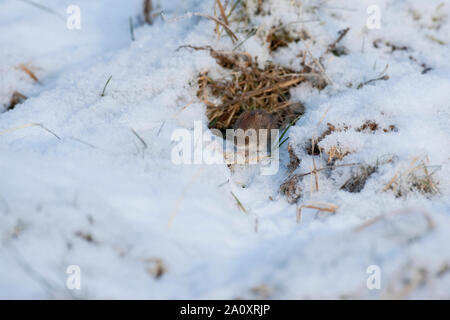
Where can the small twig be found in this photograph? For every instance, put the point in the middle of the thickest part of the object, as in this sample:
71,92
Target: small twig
385,77
382,76
106,84
342,34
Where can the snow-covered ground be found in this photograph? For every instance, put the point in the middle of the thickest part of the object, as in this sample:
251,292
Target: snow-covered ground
88,180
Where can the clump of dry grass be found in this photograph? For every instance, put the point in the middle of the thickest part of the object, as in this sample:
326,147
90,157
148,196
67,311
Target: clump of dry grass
417,177
359,177
337,152
250,88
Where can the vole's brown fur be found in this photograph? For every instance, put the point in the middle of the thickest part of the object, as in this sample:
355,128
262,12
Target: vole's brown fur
256,119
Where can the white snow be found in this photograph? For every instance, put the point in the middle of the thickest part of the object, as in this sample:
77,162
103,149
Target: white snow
97,197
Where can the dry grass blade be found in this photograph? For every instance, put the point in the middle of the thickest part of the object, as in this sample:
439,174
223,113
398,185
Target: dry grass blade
319,65
30,125
230,32
321,207
222,12
106,84
327,168
316,175
30,73
44,8
141,140
239,203
429,220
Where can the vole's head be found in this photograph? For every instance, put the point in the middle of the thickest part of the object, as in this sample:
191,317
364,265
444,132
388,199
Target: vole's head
255,119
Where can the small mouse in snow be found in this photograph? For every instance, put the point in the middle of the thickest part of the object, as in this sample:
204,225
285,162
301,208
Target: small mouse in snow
256,119
243,174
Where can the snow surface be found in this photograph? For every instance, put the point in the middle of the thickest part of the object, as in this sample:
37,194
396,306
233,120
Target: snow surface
99,198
